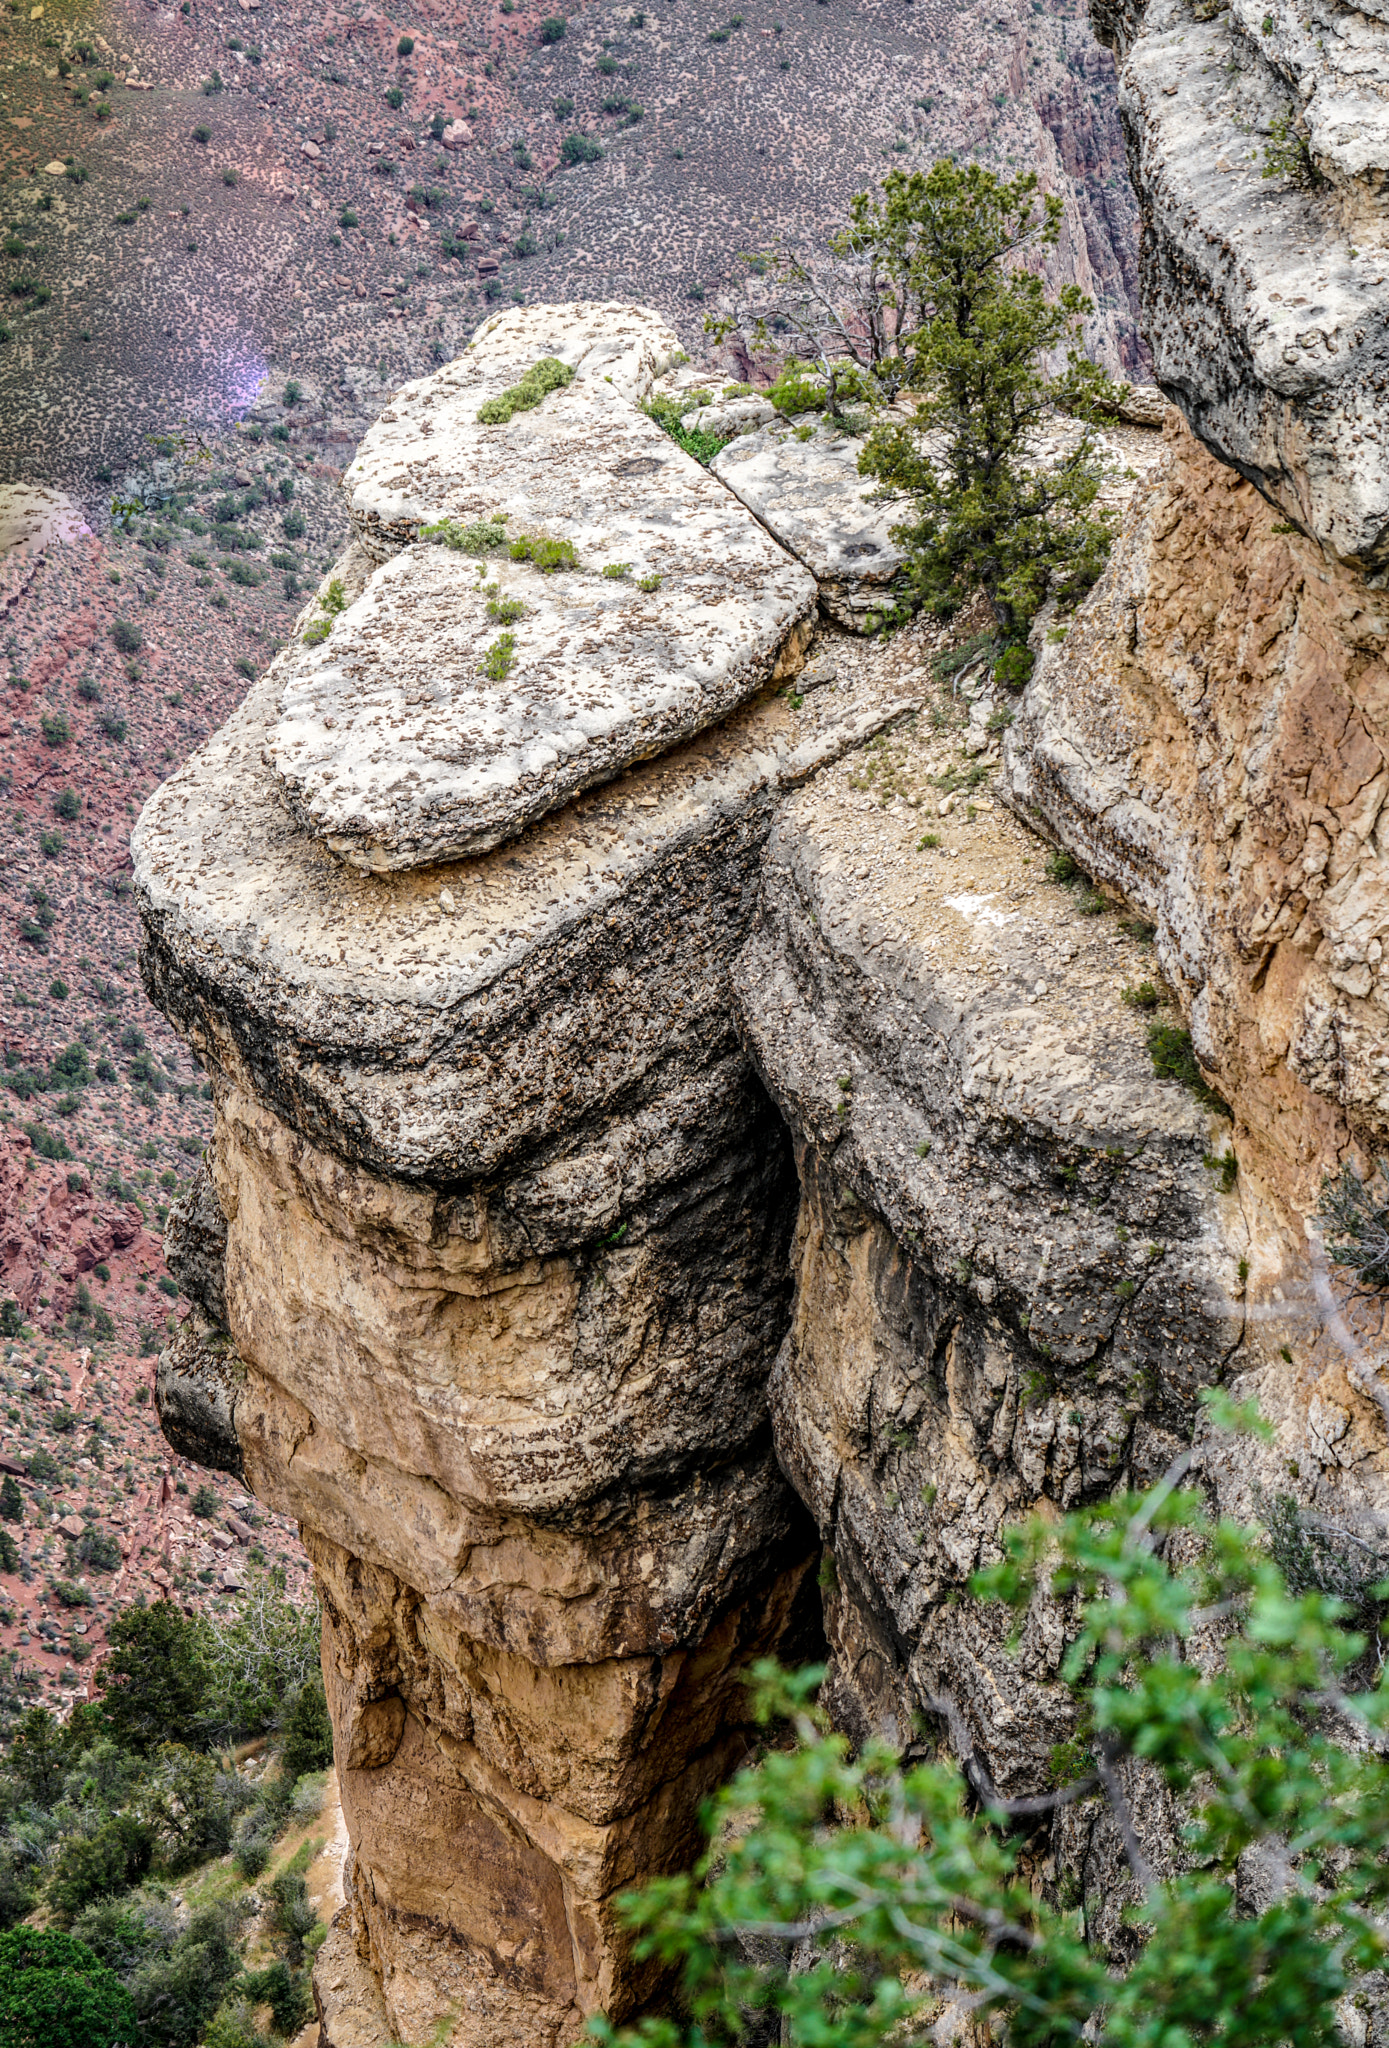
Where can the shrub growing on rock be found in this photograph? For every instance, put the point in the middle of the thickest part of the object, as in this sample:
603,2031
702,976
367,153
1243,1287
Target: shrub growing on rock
986,513
1201,1674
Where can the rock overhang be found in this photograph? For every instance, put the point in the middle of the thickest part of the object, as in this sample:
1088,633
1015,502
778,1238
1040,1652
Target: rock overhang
436,1022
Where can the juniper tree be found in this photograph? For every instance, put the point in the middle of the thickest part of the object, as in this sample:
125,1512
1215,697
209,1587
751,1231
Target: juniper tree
849,1896
989,512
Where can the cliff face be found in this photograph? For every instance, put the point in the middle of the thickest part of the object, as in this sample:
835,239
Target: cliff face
506,1210
644,1157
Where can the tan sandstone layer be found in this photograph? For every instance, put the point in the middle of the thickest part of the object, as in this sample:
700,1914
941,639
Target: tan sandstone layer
504,1269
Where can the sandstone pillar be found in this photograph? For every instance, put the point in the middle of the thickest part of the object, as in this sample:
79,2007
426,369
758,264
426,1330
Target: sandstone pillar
507,1211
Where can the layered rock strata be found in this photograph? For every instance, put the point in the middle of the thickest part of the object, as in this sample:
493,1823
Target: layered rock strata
505,1268
1016,1260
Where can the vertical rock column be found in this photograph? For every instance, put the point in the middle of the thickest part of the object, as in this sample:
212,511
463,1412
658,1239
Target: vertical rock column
507,1213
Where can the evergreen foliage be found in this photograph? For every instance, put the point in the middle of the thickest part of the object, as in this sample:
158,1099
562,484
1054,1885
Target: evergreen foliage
1195,1667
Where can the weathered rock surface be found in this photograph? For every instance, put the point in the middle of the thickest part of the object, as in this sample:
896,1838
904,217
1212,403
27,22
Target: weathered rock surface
809,494
1266,300
393,744
1210,738
506,1226
1013,1267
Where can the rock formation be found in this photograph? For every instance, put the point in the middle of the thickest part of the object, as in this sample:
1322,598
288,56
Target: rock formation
645,1156
506,1209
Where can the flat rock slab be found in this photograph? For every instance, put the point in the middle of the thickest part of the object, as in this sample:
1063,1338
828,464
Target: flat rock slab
809,494
392,744
433,1024
428,456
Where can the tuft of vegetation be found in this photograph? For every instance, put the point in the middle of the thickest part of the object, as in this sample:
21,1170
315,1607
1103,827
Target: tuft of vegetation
547,555
579,148
1354,1218
479,537
1288,156
499,659
1170,1050
696,441
549,374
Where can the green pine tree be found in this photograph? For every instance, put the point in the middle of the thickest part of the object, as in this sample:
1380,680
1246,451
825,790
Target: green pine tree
988,512
11,1500
843,1900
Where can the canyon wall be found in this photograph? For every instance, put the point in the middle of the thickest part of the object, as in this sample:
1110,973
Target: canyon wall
647,1163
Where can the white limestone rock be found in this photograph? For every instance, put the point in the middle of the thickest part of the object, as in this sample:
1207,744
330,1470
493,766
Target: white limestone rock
809,494
428,457
395,748
1266,301
732,416
392,744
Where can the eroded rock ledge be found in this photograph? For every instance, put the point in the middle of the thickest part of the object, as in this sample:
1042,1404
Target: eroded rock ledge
507,1214
630,1178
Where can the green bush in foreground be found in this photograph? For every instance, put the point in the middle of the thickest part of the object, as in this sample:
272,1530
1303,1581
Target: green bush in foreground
55,1994
921,1878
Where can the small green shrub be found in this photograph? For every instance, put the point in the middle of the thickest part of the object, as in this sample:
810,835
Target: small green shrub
505,610
1354,1216
477,538
699,443
347,218
649,583
293,526
317,633
579,149
1170,1050
1144,995
796,391
562,108
127,637
499,658
552,28
1014,666
549,374
404,47
617,571
394,98
202,134
547,555
55,728
230,177
68,805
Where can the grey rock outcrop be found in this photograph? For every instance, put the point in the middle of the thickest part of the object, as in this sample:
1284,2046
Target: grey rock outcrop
1266,298
1014,1265
506,1221
417,731
806,489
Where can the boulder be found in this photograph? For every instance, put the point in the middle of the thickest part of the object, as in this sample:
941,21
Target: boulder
810,497
399,749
